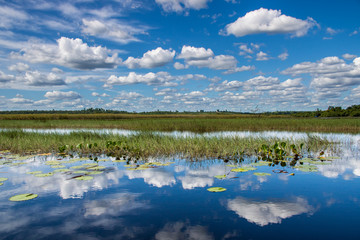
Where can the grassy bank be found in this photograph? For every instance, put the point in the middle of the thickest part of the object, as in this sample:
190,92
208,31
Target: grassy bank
143,145
194,123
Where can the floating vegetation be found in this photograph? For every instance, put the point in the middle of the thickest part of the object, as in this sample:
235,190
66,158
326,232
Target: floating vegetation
44,174
220,176
119,161
84,178
78,167
96,168
3,179
243,169
34,172
62,170
23,197
95,172
81,172
1,183
216,189
58,166
261,174
307,168
52,163
261,163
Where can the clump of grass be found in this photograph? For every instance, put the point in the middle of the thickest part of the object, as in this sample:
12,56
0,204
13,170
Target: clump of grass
142,145
208,123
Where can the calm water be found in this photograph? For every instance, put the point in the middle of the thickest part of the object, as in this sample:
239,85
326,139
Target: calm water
171,201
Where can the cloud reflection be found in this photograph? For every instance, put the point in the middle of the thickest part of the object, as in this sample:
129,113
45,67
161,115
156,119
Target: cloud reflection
267,212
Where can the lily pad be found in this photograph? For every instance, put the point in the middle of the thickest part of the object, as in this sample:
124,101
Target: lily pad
44,174
262,163
216,189
81,172
3,179
84,178
131,165
220,176
23,197
52,163
18,163
307,168
119,160
34,172
77,167
262,174
58,166
103,160
62,170
231,165
1,183
96,168
90,164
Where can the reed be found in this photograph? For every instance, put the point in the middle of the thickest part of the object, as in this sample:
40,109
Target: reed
142,145
195,123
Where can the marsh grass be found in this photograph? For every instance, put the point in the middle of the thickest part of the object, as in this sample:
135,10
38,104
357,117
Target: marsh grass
142,145
193,123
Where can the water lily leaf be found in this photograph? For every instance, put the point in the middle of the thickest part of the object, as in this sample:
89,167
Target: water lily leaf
220,176
77,167
3,179
262,174
130,165
80,172
262,163
58,166
44,174
18,164
96,168
23,197
307,168
103,160
119,160
1,183
90,164
84,178
239,170
231,165
34,172
62,170
216,189
52,163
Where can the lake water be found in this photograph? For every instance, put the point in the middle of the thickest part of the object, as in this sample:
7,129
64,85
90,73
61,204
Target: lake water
169,198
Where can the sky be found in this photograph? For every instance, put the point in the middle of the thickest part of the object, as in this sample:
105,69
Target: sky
179,55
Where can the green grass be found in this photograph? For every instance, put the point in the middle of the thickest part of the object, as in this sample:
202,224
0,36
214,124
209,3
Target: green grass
143,145
194,123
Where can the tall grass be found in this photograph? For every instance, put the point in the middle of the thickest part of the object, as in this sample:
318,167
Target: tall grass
145,144
196,124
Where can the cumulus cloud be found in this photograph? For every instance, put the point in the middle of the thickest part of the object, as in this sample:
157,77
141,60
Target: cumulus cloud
261,56
111,29
73,53
36,78
268,21
151,79
154,177
179,66
329,72
239,69
58,95
182,5
5,77
264,213
151,59
19,67
348,56
193,53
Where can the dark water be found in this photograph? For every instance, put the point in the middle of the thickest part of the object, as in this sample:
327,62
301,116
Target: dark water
171,201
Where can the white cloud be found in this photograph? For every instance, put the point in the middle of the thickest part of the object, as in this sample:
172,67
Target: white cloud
21,100
219,62
179,66
180,231
111,29
10,17
182,5
154,177
19,67
264,213
192,53
6,78
283,56
332,31
151,59
73,53
58,95
261,56
268,21
348,56
239,69
36,78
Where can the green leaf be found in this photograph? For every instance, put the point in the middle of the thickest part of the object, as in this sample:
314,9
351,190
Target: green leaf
23,197
220,176
44,174
216,189
3,179
262,174
84,178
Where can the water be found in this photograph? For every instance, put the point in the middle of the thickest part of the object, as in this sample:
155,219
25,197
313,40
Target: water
171,201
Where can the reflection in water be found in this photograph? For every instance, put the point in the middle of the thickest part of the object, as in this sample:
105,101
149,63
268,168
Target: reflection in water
264,213
114,205
180,231
157,177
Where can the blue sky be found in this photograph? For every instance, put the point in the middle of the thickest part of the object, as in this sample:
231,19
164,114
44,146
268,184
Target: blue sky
179,55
